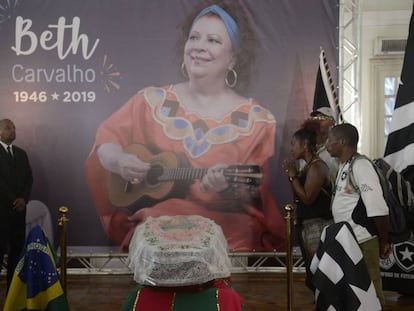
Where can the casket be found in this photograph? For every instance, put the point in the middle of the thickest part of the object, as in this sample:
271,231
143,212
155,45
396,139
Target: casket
171,251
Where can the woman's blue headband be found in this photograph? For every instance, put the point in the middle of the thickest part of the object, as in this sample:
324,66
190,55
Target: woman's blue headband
228,21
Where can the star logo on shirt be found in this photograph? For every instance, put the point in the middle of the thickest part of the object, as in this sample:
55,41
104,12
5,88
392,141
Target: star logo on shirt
404,253
407,254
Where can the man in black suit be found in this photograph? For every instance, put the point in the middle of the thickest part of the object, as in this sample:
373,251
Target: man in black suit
15,186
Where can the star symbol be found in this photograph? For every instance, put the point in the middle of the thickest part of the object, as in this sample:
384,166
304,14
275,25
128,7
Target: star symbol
55,96
407,254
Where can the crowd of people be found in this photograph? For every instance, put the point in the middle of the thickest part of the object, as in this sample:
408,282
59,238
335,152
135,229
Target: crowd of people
321,200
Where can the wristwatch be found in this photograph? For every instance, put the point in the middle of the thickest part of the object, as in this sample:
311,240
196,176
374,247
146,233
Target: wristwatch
292,178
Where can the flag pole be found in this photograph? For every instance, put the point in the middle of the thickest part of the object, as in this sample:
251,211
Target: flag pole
289,256
63,245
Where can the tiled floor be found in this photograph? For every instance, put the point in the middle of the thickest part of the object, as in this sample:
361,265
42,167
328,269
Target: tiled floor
261,292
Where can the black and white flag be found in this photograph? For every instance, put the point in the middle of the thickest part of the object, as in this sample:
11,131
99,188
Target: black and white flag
399,149
340,274
325,90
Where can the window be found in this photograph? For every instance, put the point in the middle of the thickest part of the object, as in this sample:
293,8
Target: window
390,94
385,78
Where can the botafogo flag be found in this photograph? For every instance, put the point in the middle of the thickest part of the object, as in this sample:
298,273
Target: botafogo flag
399,148
325,90
340,275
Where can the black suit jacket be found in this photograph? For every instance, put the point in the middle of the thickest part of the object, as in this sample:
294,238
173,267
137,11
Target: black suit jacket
15,178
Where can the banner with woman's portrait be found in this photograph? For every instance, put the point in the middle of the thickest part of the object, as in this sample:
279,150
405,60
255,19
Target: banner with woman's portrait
135,109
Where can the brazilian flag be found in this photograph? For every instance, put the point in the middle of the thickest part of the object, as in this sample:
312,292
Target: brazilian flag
35,284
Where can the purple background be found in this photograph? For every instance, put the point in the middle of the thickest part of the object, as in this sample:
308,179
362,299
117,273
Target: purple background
138,38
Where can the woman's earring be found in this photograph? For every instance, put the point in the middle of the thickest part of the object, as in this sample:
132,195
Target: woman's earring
231,84
184,71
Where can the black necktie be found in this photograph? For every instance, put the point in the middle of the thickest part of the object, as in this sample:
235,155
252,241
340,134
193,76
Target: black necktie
9,153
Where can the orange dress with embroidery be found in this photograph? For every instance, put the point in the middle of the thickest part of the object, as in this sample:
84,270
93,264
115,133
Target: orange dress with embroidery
155,119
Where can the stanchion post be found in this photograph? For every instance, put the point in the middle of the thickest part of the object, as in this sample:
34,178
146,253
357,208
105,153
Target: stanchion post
289,257
63,224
